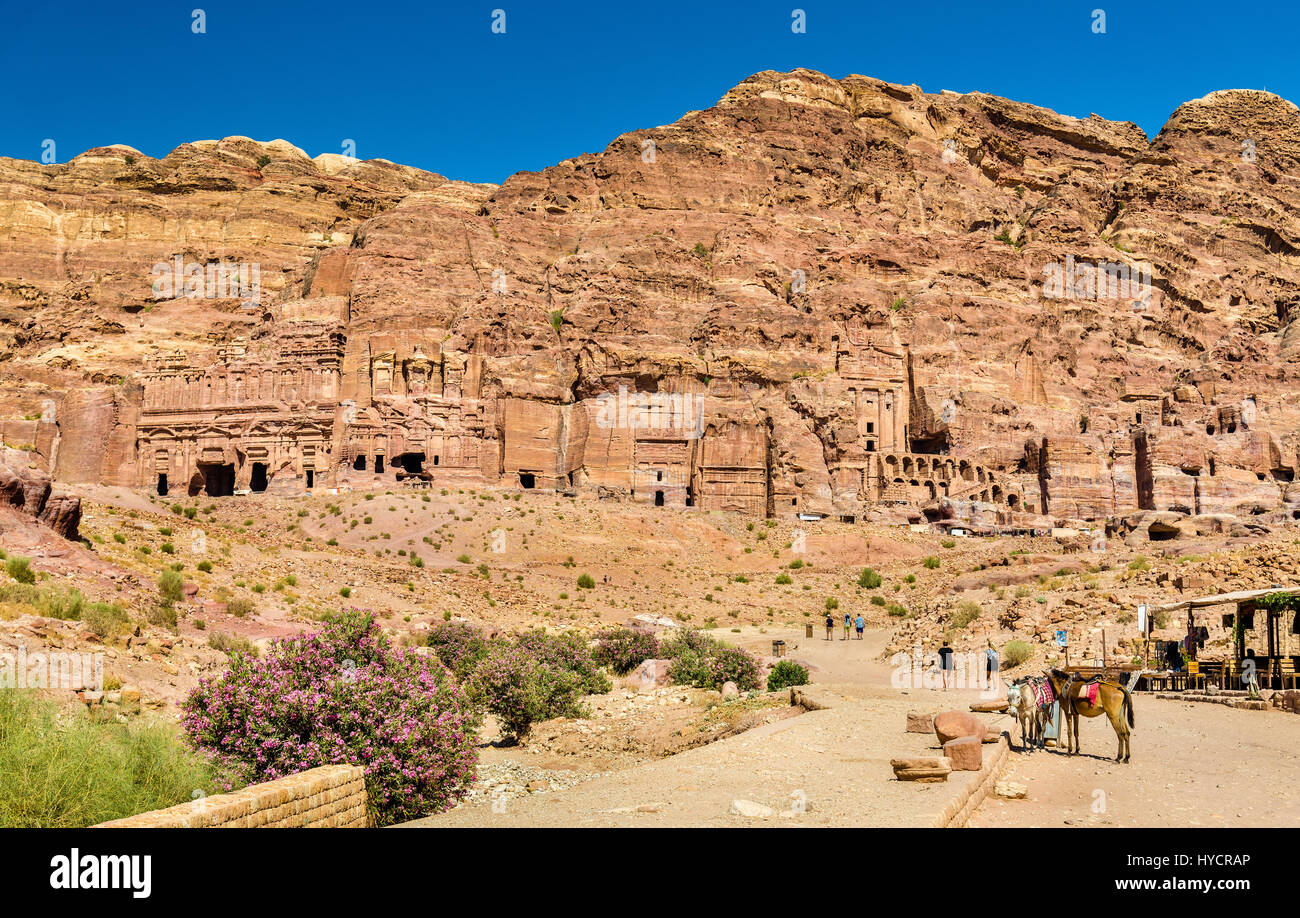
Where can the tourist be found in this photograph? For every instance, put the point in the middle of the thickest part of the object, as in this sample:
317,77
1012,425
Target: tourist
830,627
946,664
847,621
860,623
990,662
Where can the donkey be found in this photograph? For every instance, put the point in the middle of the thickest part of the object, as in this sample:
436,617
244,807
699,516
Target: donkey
1112,698
1023,704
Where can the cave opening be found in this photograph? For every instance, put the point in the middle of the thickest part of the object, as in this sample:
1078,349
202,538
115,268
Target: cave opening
162,484
527,480
257,482
218,479
311,478
379,465
411,463
1143,478
359,463
659,498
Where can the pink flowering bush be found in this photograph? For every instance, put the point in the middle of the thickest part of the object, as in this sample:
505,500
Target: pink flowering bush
343,695
705,662
517,687
624,649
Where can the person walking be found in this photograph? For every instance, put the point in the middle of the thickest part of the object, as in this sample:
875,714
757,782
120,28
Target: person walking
847,622
990,663
860,623
830,627
945,664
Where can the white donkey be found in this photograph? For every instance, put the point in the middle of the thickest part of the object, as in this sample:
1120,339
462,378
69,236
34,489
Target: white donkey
1024,702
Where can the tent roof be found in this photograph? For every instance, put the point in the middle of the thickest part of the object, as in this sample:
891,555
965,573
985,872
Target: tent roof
1225,598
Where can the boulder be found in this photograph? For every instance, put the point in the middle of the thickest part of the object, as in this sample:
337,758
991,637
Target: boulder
951,725
650,674
921,768
918,722
964,753
729,690
1010,790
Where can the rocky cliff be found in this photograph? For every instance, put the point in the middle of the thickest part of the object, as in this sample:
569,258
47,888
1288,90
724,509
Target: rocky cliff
878,300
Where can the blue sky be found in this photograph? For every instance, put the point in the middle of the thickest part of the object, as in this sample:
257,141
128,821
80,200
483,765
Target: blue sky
431,85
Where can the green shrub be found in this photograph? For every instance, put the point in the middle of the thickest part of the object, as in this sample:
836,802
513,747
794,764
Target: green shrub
205,566
624,649
240,608
966,613
586,582
783,579
869,579
64,770
931,563
785,674
20,569
877,600
459,645
171,587
231,644
520,690
1016,652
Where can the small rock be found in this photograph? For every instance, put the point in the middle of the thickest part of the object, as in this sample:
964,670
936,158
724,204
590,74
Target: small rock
750,809
1011,790
730,690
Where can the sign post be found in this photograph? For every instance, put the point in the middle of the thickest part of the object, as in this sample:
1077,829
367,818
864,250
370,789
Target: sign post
1063,641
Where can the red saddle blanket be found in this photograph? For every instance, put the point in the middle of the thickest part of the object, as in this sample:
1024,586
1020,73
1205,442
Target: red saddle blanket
1042,692
1088,692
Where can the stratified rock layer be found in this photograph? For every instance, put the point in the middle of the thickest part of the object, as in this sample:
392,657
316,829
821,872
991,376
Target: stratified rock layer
819,297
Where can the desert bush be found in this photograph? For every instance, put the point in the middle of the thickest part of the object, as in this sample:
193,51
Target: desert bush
624,649
931,563
785,674
19,568
966,613
705,662
231,644
521,690
567,652
585,582
877,600
171,587
869,579
1016,652
61,769
343,695
783,579
104,619
460,646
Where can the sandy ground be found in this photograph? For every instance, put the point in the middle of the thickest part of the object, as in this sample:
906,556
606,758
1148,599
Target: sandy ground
1192,765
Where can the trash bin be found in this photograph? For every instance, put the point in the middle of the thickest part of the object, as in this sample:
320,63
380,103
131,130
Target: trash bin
807,630
778,648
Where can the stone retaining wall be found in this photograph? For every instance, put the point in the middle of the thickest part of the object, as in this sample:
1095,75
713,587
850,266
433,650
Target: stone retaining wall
961,807
331,796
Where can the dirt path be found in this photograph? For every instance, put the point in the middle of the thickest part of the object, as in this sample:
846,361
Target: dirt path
1192,765
823,768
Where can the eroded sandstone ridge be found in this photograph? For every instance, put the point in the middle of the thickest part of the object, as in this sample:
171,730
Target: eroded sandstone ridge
819,297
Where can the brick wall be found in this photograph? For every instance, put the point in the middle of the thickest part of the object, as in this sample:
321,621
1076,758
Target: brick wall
332,796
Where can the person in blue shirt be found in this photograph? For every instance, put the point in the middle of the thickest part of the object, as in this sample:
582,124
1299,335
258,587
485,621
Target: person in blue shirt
860,623
847,622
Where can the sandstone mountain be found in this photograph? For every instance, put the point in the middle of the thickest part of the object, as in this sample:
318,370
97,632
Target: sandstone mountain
882,303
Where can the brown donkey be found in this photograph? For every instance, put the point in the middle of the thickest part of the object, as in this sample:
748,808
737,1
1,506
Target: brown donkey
1112,698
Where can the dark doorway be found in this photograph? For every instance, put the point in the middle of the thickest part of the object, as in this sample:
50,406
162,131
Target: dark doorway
162,485
379,465
435,460
218,480
1142,476
258,480
412,463
359,464
311,478
527,480
659,498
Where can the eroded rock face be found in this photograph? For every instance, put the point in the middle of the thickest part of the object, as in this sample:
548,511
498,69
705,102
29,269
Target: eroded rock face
819,297
28,490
